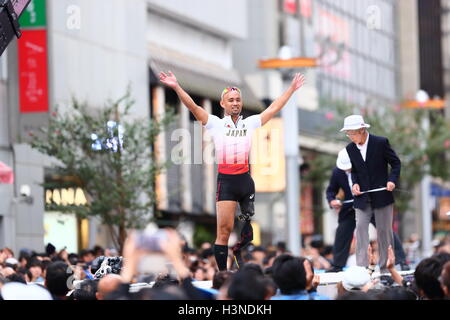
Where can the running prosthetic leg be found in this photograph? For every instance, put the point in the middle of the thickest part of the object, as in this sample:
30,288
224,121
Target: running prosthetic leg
246,238
247,208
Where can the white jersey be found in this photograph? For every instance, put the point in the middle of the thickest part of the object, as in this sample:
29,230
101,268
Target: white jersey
232,141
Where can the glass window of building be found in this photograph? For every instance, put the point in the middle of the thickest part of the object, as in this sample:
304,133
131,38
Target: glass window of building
366,66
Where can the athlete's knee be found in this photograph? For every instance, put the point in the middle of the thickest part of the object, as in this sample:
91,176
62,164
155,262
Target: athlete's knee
247,210
250,208
225,230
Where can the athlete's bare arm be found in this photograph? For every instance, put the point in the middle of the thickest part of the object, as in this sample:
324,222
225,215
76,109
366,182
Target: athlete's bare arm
279,103
170,80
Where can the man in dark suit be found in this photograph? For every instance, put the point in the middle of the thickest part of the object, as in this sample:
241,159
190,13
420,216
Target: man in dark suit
341,180
370,156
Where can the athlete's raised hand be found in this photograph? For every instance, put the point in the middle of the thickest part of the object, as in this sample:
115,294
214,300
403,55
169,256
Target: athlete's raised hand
168,79
278,104
298,81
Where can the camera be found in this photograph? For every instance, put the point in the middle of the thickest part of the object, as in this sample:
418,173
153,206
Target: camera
10,11
150,241
25,190
102,266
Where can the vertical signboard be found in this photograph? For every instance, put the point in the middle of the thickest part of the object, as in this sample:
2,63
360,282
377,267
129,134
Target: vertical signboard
32,54
34,15
268,165
33,77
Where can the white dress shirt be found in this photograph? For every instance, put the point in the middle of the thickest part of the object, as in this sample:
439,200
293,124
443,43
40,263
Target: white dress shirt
363,148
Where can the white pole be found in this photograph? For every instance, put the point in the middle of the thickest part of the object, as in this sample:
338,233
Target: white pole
291,148
425,197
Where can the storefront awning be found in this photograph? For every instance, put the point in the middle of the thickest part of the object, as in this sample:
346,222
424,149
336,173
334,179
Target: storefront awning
439,191
6,174
201,78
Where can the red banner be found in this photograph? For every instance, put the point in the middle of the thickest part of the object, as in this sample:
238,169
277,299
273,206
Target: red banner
290,6
33,74
306,8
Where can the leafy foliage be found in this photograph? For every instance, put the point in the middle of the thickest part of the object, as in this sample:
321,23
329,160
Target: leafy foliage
110,156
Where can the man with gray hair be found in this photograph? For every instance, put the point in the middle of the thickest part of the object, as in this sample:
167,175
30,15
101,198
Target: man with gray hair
372,186
107,284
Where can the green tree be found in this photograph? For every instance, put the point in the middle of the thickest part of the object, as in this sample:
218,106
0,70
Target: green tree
110,155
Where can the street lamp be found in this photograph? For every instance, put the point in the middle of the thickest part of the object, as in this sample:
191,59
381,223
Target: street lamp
287,64
291,149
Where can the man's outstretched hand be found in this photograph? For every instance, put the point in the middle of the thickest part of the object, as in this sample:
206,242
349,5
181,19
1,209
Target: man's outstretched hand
168,79
298,81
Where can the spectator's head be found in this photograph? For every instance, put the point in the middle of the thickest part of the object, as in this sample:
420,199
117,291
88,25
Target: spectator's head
5,272
317,241
281,247
199,273
289,273
73,259
247,285
207,253
35,268
23,259
445,279
87,290
164,280
443,257
15,277
8,253
271,287
167,293
12,263
397,293
248,257
98,251
111,252
426,278
268,259
259,253
107,284
50,250
57,279
355,295
205,245
328,252
354,279
5,253
87,256
220,277
252,267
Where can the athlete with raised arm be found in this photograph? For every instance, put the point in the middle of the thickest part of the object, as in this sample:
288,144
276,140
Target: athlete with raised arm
232,139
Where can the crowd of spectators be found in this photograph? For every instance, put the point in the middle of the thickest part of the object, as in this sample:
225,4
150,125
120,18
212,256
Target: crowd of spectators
180,272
